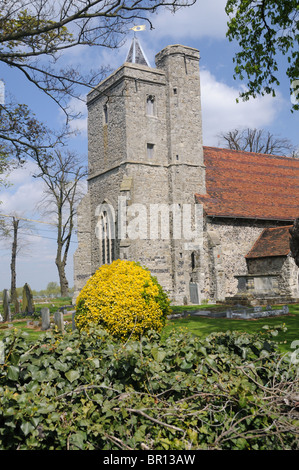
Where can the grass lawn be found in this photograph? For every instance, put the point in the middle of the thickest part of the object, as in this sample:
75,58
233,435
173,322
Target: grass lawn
35,332
201,326
52,304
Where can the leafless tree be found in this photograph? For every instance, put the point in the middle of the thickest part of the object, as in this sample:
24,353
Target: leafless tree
13,287
15,231
258,141
63,175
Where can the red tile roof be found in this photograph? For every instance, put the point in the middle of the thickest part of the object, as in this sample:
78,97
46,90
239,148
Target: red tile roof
271,242
250,185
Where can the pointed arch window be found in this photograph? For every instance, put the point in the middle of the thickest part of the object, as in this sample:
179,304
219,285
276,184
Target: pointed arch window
150,105
195,260
106,232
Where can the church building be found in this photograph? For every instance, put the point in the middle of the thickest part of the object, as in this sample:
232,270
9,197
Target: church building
209,223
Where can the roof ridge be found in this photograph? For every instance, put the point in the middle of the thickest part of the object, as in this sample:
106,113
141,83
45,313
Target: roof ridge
276,228
270,155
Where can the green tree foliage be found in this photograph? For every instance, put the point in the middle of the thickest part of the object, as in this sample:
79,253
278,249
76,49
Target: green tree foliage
53,288
21,134
88,391
265,30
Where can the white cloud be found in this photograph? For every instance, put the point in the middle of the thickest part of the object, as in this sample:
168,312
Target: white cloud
78,107
221,112
24,193
23,173
203,19
79,125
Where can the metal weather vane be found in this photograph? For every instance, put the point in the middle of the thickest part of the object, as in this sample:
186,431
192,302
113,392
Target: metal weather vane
136,54
141,27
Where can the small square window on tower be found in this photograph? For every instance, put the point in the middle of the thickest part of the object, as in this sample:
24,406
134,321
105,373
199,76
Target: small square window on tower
150,150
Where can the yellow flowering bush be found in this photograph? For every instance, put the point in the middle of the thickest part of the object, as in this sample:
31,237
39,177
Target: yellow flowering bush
124,299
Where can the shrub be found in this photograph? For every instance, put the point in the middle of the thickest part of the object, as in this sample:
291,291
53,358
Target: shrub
124,299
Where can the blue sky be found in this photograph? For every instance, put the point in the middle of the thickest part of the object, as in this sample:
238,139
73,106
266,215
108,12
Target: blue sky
202,26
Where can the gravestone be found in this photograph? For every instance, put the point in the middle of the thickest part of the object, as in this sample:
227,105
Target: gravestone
2,353
58,320
27,304
285,309
6,306
194,297
45,313
242,284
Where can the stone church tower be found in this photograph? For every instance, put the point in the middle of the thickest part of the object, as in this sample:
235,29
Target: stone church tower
146,164
209,223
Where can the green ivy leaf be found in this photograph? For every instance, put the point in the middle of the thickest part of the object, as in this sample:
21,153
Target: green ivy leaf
158,354
27,427
72,375
13,373
77,440
186,365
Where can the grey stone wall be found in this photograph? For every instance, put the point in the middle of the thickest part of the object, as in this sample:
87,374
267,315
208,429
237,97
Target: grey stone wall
123,138
267,265
103,189
82,256
226,244
106,141
290,273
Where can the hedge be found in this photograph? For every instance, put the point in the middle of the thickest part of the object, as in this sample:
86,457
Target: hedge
89,391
